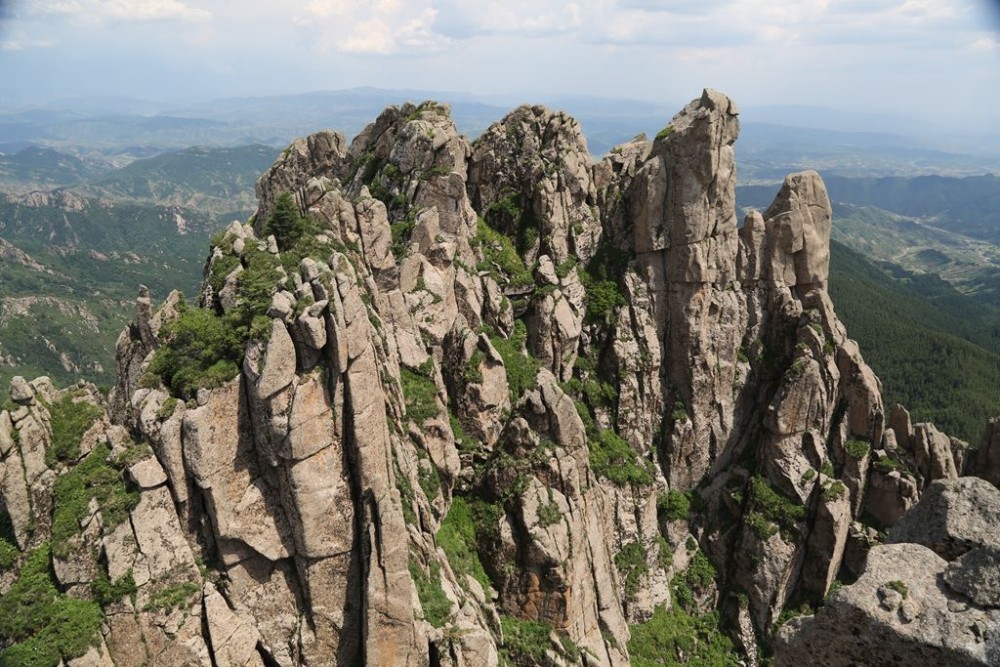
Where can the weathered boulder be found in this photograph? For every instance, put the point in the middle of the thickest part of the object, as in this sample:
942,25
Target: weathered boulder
319,155
952,517
896,613
20,390
985,462
976,574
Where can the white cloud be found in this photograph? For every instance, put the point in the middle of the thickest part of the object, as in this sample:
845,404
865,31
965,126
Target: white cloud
23,43
99,11
988,42
719,23
384,27
530,17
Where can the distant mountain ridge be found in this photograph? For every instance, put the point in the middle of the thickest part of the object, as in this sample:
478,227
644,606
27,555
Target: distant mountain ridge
775,140
216,180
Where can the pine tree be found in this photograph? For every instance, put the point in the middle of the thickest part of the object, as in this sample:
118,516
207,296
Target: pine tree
285,222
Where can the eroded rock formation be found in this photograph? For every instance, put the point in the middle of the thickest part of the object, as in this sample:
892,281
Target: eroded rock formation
487,402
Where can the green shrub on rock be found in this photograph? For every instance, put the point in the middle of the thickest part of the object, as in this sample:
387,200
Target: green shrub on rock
286,222
457,536
677,638
70,420
201,350
41,626
91,478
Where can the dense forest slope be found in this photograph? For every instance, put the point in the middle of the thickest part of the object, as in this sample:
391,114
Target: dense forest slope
935,350
73,257
69,270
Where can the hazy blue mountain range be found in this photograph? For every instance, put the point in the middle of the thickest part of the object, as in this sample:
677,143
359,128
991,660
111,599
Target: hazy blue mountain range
774,140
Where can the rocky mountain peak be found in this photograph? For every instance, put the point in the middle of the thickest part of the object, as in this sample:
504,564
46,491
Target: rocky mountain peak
449,403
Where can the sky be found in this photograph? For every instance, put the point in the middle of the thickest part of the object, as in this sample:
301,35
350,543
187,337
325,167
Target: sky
929,59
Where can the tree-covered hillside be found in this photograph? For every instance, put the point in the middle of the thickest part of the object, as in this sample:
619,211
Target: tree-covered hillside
936,351
207,179
69,271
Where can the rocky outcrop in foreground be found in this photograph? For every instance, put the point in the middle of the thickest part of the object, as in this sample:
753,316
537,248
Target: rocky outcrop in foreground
930,596
453,403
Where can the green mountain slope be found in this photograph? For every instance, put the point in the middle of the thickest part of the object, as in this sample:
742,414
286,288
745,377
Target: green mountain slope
936,351
930,224
69,271
207,179
36,168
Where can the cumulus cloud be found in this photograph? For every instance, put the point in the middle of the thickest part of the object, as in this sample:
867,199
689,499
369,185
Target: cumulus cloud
986,42
384,27
97,11
388,27
462,19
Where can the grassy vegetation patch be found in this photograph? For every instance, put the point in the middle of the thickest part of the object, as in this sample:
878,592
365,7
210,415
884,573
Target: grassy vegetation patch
696,579
407,496
613,458
72,492
833,491
856,449
601,279
433,601
172,597
631,564
772,511
899,587
8,554
430,482
522,370
286,222
889,463
105,591
457,537
43,626
402,230
167,408
524,642
665,132
500,258
69,422
674,505
677,638
201,350
419,392
549,514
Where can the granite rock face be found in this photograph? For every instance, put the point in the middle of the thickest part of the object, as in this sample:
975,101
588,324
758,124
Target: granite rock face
896,613
931,595
491,390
